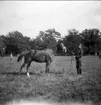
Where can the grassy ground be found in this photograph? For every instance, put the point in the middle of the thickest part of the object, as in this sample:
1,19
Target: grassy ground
61,84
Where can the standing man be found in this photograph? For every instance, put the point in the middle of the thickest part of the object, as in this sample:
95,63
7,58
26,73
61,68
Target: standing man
78,64
78,59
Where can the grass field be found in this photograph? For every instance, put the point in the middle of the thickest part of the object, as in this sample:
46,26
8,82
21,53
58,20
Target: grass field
60,85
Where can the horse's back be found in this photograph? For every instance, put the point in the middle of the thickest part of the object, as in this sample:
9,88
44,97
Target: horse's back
43,55
49,53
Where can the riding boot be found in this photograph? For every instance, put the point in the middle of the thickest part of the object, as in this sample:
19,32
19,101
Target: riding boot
80,71
47,70
77,71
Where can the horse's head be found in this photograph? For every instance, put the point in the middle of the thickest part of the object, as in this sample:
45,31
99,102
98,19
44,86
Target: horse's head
63,47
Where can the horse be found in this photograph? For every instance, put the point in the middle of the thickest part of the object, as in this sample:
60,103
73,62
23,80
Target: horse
41,56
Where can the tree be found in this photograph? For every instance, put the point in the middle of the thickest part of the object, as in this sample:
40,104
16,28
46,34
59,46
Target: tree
2,43
32,43
91,40
47,39
16,42
72,40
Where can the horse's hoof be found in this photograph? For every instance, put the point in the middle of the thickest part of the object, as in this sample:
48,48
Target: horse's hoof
28,74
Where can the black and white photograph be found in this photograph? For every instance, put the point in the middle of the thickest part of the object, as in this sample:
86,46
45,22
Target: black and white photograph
50,52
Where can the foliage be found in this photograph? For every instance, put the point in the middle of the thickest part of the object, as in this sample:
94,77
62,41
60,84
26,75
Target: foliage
47,39
2,44
15,42
91,40
72,40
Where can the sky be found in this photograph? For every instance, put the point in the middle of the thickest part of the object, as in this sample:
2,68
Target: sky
30,17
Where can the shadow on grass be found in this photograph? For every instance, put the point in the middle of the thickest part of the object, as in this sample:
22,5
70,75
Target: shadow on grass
31,73
55,72
18,73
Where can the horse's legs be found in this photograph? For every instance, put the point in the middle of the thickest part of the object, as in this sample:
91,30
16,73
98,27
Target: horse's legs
80,71
22,66
28,65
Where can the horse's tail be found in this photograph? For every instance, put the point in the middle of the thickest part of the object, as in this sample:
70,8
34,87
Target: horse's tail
20,57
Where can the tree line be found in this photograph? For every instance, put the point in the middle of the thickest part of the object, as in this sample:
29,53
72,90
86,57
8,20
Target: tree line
15,42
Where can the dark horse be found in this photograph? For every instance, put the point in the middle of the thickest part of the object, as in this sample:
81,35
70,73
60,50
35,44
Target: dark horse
41,56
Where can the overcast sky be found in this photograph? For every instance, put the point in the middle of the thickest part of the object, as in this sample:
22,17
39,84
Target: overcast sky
30,17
